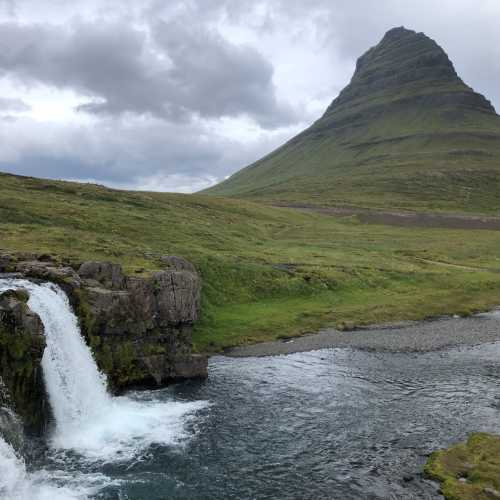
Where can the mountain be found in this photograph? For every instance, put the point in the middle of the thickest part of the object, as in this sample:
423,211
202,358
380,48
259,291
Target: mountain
406,132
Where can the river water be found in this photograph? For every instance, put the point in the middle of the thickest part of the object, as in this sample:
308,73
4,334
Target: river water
333,424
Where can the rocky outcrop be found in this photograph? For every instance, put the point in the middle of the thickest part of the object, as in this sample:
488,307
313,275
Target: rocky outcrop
405,69
106,273
22,343
139,328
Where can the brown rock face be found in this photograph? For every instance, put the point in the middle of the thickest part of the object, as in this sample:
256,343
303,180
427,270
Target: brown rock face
140,328
22,343
108,274
48,271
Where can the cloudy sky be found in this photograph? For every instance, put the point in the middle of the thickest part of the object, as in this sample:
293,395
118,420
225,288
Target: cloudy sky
175,95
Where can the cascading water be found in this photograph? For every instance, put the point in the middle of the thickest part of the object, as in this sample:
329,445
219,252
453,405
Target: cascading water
90,423
76,388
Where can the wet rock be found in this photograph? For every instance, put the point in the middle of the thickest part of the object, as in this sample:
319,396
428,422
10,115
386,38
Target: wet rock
22,343
194,366
11,429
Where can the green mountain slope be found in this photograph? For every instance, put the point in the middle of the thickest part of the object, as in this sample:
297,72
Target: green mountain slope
406,132
267,272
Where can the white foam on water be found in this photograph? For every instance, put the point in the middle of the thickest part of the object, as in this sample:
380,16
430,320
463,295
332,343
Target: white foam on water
127,427
17,484
89,421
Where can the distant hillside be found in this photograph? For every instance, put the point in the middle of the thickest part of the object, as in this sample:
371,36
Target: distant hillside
406,132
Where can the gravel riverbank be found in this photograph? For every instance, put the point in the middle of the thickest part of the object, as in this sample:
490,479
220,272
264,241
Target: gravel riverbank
404,337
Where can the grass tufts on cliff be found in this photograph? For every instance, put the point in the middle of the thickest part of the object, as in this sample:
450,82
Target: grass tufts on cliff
267,272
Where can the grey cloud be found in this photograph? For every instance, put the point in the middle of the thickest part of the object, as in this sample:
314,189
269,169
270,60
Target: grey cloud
218,78
134,154
187,72
8,104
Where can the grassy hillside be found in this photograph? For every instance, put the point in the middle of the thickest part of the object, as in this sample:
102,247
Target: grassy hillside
405,133
268,272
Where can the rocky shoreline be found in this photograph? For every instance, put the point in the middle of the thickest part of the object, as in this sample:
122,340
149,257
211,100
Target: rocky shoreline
424,336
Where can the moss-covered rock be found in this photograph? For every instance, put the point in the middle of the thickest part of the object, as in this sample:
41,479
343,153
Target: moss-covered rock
22,343
468,471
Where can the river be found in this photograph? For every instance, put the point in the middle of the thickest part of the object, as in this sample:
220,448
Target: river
333,424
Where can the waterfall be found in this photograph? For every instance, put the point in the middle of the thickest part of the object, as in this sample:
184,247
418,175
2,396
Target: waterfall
89,421
76,388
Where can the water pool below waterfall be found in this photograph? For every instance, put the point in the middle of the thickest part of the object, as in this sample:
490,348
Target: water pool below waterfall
333,424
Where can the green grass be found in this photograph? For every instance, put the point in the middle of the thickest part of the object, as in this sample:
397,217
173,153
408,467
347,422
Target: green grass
267,272
477,462
437,167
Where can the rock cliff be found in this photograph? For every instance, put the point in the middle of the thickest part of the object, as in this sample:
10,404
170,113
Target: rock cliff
139,328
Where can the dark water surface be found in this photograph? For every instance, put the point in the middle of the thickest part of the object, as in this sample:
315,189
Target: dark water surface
339,424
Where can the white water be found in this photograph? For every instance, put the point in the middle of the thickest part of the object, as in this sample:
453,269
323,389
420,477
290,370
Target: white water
17,484
89,422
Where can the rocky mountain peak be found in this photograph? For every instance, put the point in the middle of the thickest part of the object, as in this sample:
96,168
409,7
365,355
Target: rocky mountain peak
404,63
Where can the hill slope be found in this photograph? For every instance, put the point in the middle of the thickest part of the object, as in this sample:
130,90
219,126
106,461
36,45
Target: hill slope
406,132
267,272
